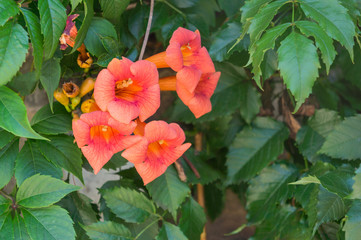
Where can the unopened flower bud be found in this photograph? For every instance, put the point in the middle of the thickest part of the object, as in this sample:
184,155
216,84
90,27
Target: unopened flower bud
89,106
87,86
62,98
70,89
75,102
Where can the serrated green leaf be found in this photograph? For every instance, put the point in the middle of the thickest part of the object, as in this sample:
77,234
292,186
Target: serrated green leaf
8,9
223,41
5,137
24,83
30,161
184,3
52,21
6,227
50,78
254,148
270,64
251,7
263,18
250,103
13,48
8,155
231,7
113,9
13,115
267,189
62,152
42,191
312,136
170,232
215,197
323,42
225,99
4,204
150,233
338,181
333,18
298,63
83,31
344,141
329,207
46,122
353,221
33,26
193,219
356,193
128,204
98,29
306,180
108,231
258,50
20,232
74,4
52,223
307,196
168,191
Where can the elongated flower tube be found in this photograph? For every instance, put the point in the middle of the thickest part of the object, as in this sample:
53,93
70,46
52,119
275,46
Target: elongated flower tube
184,50
70,32
86,86
161,145
128,90
100,136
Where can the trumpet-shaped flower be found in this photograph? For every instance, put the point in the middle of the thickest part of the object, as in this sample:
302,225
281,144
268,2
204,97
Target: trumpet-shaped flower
100,136
184,50
128,90
161,145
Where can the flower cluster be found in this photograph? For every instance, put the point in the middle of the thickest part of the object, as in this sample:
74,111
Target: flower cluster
127,93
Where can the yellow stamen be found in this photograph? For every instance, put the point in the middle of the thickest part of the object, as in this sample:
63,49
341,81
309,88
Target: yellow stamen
105,128
124,83
161,142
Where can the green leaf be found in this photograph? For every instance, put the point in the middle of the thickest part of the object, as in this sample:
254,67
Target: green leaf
13,115
356,193
8,9
6,226
52,223
33,25
20,232
311,136
30,161
329,207
128,204
193,219
50,77
251,8
74,4
24,83
170,232
270,64
225,99
306,180
298,63
150,227
223,41
13,48
333,18
250,103
338,181
5,138
8,155
353,221
214,196
46,122
52,21
83,31
267,189
263,18
307,196
108,231
184,3
98,29
168,191
323,41
113,9
62,152
254,148
42,191
231,7
258,50
4,204
344,141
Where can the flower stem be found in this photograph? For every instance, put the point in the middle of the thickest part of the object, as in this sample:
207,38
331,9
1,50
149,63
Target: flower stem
146,36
